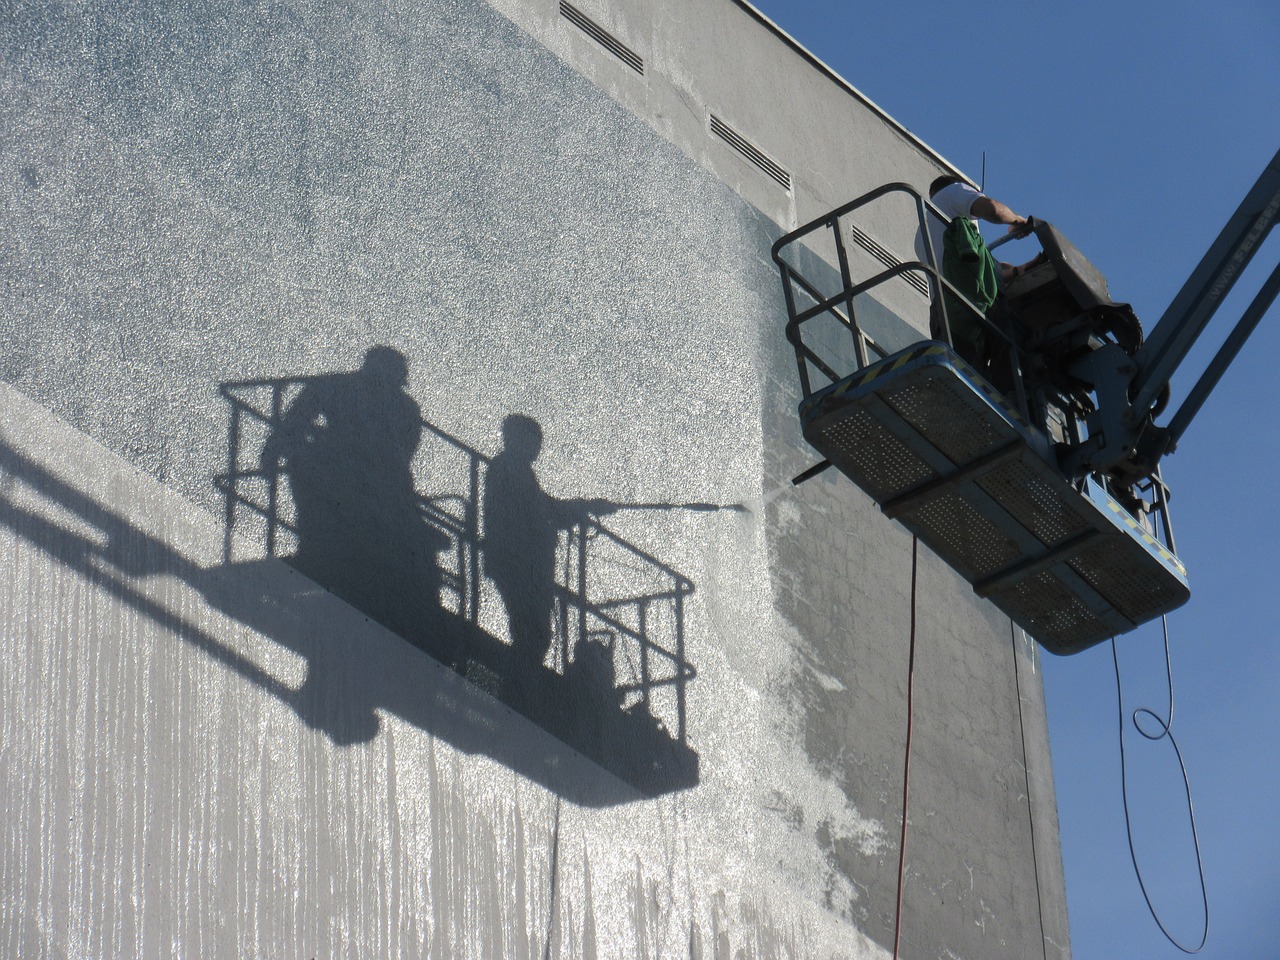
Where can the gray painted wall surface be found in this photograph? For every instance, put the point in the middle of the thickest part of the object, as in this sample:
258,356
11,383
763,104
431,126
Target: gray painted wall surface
209,220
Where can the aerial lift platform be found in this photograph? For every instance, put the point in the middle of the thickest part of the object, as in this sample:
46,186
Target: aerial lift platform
1046,495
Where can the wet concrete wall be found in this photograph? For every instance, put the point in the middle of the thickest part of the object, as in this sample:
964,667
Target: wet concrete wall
401,560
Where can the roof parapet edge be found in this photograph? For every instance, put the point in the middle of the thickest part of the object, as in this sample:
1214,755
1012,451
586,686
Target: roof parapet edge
845,85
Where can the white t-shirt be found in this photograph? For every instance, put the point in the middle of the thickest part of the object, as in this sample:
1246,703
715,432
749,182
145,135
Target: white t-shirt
954,200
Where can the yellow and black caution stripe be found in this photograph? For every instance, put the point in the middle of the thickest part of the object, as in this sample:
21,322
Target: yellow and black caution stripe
873,372
1142,534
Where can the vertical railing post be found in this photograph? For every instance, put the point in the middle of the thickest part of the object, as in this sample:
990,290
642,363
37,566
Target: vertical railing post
273,480
1162,502
233,479
937,301
471,522
582,585
642,610
846,278
565,597
680,662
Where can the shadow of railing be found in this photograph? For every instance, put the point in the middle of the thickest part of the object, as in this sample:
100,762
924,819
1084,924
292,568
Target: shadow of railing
613,686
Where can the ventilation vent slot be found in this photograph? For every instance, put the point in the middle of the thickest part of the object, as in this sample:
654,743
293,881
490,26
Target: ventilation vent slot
869,244
750,151
602,36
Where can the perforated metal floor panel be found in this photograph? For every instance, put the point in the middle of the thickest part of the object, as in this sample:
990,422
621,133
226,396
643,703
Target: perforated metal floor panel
942,451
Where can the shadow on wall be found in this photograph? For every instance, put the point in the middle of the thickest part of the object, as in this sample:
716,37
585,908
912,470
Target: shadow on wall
324,467
322,471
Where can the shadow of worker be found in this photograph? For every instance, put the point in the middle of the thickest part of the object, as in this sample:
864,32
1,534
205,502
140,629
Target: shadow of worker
346,444
522,526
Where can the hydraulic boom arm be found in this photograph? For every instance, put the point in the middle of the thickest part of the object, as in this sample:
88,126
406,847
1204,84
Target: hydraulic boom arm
1195,304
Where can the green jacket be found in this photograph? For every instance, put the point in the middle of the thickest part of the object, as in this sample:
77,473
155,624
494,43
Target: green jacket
967,264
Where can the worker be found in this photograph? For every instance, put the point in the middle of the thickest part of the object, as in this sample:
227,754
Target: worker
347,445
522,524
968,265
956,198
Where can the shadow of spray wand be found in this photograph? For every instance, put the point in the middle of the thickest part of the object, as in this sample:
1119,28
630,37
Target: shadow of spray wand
698,507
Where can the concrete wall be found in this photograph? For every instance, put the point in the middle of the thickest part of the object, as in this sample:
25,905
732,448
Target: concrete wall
401,561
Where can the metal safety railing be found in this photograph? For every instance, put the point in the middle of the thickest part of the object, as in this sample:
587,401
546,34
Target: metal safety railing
807,300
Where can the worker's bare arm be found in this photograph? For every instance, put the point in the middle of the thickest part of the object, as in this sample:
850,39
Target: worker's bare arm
993,211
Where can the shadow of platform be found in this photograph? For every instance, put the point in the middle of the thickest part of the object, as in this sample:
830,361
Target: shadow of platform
354,669
323,473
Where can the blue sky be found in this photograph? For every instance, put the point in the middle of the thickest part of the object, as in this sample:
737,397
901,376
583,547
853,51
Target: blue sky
1136,128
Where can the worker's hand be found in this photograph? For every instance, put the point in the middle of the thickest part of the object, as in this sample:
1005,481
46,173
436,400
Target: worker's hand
1020,227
